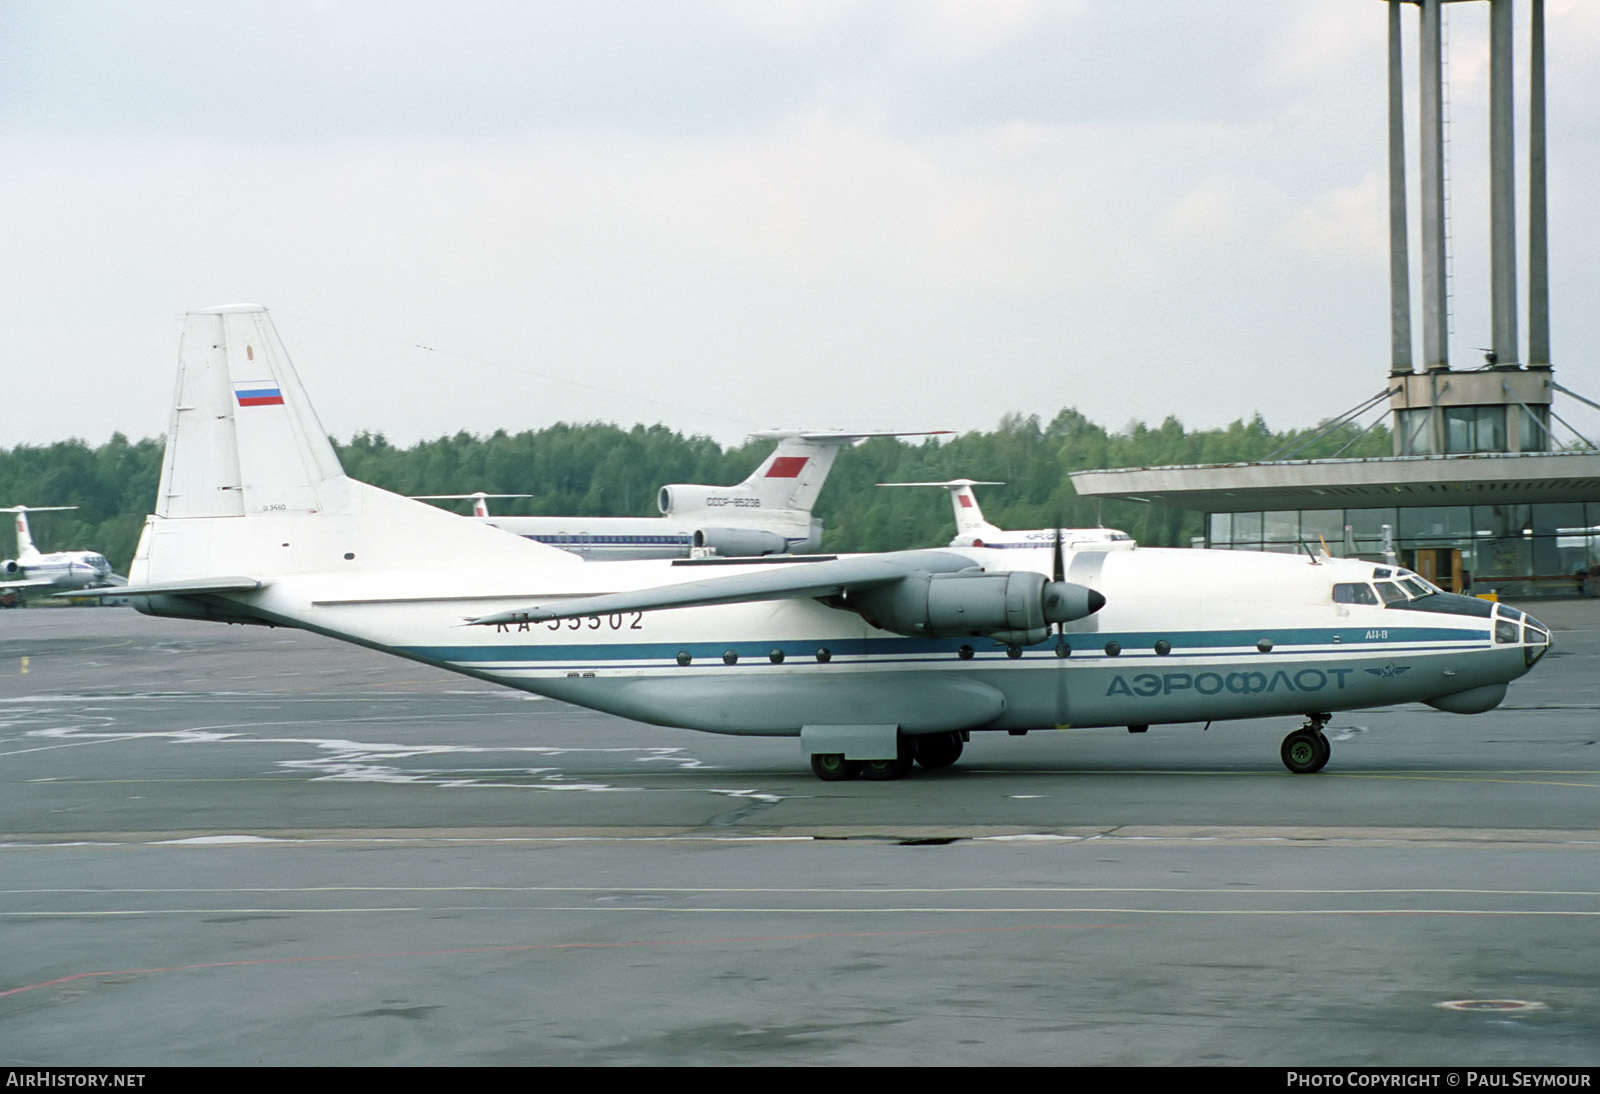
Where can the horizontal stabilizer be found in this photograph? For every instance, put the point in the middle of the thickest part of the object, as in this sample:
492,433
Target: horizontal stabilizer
811,579
29,583
173,588
832,436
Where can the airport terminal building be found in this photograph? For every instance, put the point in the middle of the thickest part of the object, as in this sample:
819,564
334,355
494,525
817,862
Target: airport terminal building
1516,523
1480,495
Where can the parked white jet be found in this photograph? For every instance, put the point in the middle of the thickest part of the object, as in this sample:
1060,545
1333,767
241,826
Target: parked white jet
769,513
35,572
872,661
972,530
479,500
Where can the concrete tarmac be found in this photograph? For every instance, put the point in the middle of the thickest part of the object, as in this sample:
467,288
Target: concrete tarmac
226,845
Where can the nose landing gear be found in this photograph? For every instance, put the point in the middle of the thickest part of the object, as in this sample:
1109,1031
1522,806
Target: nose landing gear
1306,750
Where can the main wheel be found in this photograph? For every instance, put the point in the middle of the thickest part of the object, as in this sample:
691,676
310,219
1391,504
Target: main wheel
937,750
832,767
1305,751
885,770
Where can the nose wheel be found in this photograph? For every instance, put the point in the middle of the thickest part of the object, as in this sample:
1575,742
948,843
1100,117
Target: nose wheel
1306,750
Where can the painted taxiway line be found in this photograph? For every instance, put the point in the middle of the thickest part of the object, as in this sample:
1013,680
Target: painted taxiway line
839,890
1095,910
625,835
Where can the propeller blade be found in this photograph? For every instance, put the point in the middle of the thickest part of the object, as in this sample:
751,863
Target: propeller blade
1058,572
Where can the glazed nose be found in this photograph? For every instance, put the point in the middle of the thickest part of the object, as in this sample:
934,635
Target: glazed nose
1535,638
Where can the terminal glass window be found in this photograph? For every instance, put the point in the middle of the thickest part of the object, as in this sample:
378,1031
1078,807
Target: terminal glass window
1247,531
1534,423
1416,435
1474,429
1280,526
1220,531
1563,543
1442,522
1519,550
1319,526
1366,530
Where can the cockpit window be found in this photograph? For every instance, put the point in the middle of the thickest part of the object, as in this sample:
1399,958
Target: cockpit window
1354,593
1505,631
1391,593
1416,586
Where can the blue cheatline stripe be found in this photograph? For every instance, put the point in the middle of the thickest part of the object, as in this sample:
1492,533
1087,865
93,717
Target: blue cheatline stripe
1136,646
584,539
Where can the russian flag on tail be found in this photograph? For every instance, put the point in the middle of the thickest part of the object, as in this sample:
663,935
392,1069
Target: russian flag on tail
258,393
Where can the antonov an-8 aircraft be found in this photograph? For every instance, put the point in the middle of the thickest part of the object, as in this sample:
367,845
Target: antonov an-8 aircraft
873,662
972,530
769,513
33,572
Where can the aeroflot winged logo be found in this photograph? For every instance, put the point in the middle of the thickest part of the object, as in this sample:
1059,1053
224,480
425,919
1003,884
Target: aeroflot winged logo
787,467
258,393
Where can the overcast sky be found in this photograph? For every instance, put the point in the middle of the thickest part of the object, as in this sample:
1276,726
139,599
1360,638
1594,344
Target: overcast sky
728,215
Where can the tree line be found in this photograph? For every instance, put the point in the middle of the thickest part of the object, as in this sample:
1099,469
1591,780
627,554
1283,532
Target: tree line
599,469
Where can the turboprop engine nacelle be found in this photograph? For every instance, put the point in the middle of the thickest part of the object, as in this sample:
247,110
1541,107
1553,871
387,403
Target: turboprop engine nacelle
740,542
1014,608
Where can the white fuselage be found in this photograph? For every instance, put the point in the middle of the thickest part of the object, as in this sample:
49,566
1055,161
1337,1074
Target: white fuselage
1184,636
1074,539
743,532
56,571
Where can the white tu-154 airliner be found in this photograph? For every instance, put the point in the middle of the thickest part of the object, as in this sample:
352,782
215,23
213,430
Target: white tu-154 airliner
34,571
973,530
769,513
873,662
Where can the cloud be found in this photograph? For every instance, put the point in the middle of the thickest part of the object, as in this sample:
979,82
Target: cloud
1350,222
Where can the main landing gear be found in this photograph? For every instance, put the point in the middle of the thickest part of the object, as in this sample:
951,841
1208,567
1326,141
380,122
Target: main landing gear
932,751
1306,750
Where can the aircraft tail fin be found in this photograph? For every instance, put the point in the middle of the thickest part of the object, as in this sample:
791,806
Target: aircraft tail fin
792,477
243,437
26,551
251,484
479,500
970,522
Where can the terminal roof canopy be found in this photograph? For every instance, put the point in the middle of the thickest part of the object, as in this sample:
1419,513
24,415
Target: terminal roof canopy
1486,479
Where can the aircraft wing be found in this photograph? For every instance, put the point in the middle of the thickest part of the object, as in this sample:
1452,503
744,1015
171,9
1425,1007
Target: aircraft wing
801,579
